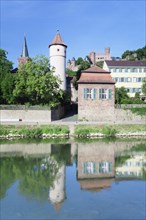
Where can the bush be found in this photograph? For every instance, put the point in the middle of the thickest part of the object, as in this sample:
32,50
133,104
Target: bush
82,132
55,129
109,131
138,111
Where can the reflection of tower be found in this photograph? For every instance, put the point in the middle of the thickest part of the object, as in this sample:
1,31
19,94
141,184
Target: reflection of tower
24,56
57,192
58,58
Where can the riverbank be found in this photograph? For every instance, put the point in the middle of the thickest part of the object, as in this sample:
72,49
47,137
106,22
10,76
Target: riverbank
72,130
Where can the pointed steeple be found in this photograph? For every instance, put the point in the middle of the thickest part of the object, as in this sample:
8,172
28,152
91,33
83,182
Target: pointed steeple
57,40
24,56
25,49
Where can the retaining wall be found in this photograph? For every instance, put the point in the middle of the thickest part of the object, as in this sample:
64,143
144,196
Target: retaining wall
31,115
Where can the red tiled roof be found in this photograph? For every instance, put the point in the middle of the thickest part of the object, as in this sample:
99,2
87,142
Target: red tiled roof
94,69
95,75
96,78
57,40
125,63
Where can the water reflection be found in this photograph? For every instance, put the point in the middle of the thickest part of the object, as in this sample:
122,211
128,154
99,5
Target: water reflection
41,168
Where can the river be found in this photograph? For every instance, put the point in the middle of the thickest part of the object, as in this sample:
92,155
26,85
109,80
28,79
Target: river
87,179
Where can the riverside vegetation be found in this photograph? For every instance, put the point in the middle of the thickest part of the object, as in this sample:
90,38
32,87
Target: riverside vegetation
80,131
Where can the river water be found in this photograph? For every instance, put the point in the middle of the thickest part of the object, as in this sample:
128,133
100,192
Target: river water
94,179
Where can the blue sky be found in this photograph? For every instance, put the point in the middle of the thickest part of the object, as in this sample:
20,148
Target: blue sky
85,26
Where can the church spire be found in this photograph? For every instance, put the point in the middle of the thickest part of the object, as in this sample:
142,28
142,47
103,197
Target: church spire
25,49
24,56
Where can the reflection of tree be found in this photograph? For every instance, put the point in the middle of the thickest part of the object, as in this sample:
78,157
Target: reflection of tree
7,176
39,176
61,152
33,179
35,175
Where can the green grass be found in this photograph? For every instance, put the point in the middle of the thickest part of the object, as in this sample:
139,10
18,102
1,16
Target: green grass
139,111
108,130
33,131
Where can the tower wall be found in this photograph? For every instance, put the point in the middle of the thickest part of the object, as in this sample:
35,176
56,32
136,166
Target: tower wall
58,61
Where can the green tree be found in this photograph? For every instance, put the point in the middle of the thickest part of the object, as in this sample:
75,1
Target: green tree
36,84
7,79
70,72
139,54
120,95
144,87
99,63
79,60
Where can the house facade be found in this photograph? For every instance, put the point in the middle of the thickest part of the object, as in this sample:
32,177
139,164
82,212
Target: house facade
128,74
96,95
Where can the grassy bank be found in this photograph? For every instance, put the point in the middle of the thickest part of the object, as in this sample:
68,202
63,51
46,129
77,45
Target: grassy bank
34,131
109,130
80,131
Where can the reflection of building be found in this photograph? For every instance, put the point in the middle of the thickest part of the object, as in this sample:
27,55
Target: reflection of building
132,167
95,184
95,167
57,192
93,163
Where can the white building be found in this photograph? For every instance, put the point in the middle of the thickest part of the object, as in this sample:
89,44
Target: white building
58,59
127,74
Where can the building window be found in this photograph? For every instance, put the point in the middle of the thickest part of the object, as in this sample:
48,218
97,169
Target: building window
105,93
128,79
134,79
58,50
144,70
89,93
104,167
139,79
88,167
128,70
122,79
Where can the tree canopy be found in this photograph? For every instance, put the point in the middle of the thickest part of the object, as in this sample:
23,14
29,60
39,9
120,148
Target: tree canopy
36,84
139,54
7,79
144,87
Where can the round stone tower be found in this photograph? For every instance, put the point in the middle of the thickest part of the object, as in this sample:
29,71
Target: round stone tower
58,59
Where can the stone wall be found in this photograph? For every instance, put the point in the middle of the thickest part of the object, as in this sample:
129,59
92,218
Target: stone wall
31,115
127,115
95,110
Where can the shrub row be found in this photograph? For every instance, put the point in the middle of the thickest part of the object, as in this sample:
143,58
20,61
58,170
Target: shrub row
81,131
34,131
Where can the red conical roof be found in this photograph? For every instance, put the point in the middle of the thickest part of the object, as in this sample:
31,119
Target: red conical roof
57,40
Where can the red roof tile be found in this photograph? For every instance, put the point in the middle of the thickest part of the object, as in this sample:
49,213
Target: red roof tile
57,40
95,75
95,69
125,63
